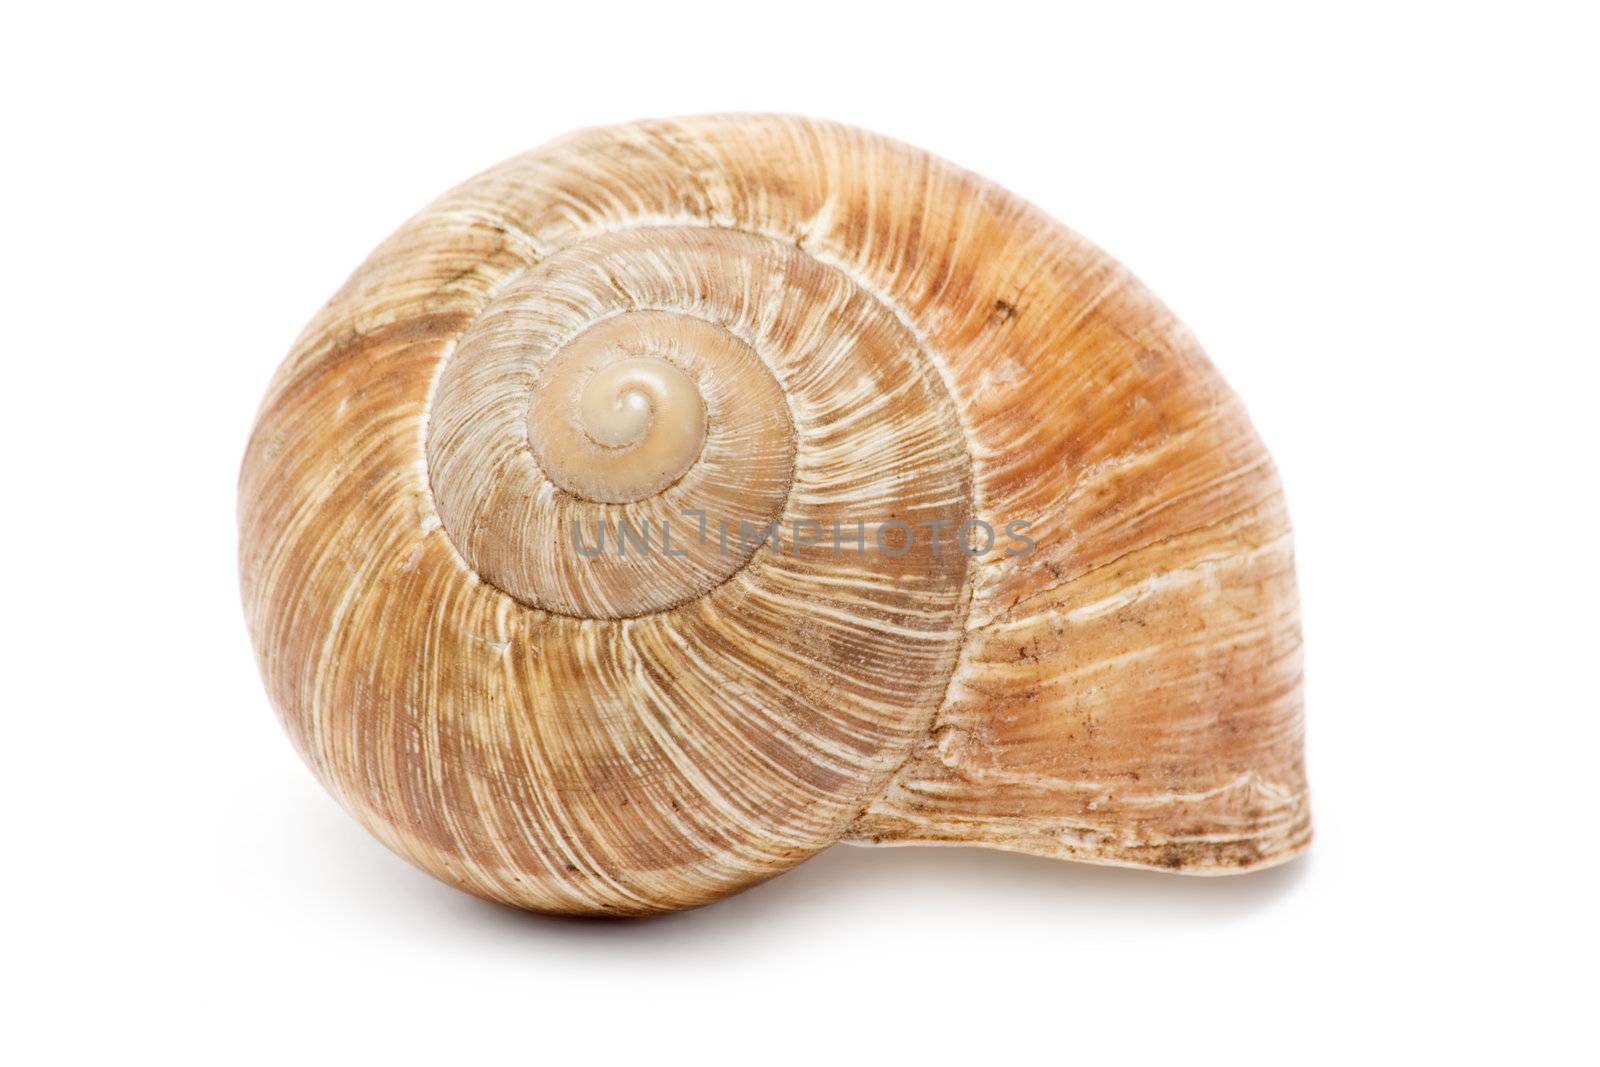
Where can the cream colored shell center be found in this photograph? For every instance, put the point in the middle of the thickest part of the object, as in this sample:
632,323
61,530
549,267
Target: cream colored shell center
644,421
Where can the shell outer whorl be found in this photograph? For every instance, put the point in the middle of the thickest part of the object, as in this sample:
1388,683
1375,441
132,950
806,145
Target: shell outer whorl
781,323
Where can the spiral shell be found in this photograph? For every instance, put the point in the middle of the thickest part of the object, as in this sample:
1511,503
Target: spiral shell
608,540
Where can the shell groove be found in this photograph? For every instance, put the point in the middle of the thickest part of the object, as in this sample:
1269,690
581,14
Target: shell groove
871,335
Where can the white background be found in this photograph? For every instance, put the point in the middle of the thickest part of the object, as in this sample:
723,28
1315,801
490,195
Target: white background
1381,222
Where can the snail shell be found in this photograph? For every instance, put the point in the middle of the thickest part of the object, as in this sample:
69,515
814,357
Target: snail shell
676,327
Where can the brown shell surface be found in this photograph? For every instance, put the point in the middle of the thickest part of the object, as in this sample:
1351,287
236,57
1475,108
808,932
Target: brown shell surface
877,335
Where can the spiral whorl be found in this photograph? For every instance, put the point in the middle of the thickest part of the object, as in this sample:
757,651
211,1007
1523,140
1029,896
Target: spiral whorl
755,354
